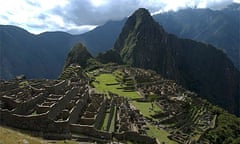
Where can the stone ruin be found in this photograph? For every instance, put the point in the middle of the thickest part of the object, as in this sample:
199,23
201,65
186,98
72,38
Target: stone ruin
184,115
70,108
67,109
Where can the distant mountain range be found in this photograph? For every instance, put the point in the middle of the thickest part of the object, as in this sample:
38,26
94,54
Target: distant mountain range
43,55
219,28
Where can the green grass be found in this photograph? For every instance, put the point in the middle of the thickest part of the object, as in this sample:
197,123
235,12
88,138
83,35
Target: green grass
23,84
146,108
105,79
34,113
102,85
161,135
105,121
151,97
14,136
112,126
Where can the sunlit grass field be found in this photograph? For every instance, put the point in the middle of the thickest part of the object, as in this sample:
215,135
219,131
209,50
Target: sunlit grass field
161,135
146,108
13,136
107,82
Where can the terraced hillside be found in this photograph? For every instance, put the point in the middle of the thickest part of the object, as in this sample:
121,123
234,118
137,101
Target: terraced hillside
172,114
119,84
113,104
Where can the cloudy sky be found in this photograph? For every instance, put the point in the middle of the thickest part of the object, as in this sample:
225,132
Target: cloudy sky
78,16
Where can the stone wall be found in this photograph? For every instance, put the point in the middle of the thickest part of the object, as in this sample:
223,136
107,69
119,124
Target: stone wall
53,110
24,122
10,104
28,105
100,114
87,121
57,136
8,86
34,122
112,105
42,108
58,88
57,108
11,91
136,137
78,109
90,131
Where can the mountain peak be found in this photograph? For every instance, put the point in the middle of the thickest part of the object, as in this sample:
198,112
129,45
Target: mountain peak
78,55
143,43
141,16
141,12
140,24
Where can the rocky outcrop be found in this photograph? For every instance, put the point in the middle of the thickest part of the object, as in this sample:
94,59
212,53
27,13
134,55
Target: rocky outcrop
78,55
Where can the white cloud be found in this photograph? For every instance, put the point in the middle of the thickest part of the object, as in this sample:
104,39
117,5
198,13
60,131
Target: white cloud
73,29
32,15
98,3
77,16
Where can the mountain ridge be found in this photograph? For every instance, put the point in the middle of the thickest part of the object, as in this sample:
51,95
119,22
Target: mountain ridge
199,67
102,38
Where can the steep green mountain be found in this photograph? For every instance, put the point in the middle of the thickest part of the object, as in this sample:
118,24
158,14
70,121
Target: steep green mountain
78,55
199,67
219,28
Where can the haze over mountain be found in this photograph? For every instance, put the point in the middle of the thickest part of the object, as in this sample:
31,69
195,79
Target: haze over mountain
219,28
199,67
43,56
36,56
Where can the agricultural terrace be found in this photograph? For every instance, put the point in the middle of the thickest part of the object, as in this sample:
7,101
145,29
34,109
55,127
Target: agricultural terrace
109,82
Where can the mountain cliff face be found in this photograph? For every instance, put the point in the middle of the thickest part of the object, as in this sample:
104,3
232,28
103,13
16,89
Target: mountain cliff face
217,27
199,67
78,55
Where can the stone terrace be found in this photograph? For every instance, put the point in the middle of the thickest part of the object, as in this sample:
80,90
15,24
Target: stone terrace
185,115
66,109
